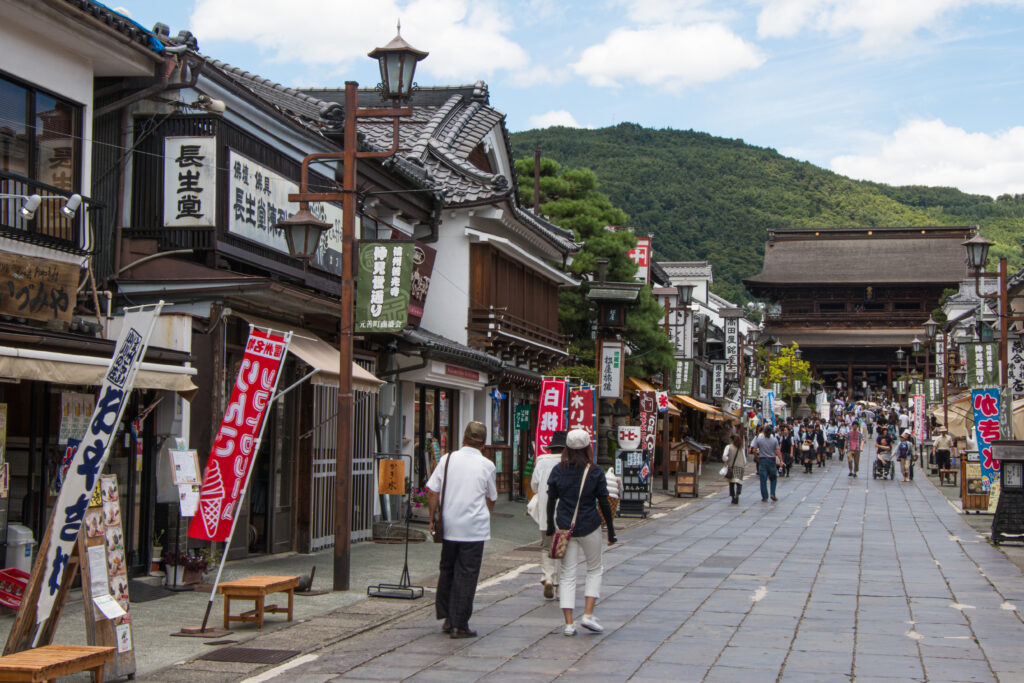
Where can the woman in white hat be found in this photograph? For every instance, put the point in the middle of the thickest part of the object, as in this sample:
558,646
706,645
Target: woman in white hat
576,487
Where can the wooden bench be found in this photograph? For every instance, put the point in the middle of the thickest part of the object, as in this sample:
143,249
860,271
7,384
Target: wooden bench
948,477
48,662
256,588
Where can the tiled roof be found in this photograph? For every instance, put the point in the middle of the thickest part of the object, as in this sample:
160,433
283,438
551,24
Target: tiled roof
454,350
120,23
685,269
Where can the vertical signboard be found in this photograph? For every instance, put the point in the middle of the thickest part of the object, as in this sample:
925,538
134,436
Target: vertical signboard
986,405
718,380
611,369
550,413
732,346
382,292
238,440
190,182
769,401
982,365
422,270
649,419
1015,366
933,390
581,412
641,256
919,418
940,358
682,377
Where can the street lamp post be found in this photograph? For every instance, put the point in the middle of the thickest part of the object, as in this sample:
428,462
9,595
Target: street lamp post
397,62
684,295
977,255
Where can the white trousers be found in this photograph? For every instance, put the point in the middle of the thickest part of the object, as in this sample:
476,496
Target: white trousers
549,566
590,546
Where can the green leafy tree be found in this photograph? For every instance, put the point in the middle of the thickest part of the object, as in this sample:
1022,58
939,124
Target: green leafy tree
784,367
570,199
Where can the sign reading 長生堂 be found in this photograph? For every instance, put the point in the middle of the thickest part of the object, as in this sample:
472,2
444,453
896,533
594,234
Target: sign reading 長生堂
382,294
190,182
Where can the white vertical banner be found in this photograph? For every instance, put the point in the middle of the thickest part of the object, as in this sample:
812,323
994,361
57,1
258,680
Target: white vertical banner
1015,366
718,380
87,462
732,346
940,358
190,181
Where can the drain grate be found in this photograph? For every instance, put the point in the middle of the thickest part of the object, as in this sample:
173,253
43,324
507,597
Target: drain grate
249,655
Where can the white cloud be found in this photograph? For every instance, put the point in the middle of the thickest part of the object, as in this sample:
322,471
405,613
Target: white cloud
673,11
555,117
933,153
667,57
331,32
880,23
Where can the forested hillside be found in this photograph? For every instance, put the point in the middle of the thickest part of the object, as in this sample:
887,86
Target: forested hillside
705,197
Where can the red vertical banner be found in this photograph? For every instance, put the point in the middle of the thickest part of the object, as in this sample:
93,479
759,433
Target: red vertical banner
236,443
550,413
581,411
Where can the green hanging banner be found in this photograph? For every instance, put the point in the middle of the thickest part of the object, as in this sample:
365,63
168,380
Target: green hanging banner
933,390
682,377
982,365
382,293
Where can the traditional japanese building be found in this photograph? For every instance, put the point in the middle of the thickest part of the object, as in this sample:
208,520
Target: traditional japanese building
850,297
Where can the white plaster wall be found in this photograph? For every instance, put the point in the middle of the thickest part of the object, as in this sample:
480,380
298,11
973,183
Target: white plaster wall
446,311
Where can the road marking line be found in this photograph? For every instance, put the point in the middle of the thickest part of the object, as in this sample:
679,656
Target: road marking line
1009,606
914,635
957,605
658,515
679,507
510,574
277,670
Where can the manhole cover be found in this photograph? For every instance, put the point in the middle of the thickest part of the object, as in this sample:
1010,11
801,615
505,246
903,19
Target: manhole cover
249,655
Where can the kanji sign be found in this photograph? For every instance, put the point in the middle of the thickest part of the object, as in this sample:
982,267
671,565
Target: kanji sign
86,463
382,292
190,181
732,346
258,200
37,288
718,380
521,417
682,378
751,386
611,369
391,479
919,418
238,439
581,411
1015,365
986,404
982,365
641,256
550,413
933,390
663,402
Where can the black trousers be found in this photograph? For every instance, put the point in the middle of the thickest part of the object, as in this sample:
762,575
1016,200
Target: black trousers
456,587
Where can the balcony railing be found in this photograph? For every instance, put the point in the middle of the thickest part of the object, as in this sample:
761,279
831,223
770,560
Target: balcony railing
488,324
50,226
853,317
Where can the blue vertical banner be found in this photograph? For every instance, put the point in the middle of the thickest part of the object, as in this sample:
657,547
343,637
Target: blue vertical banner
770,400
986,404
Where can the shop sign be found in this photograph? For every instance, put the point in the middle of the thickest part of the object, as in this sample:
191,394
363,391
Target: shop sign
678,325
75,411
718,380
752,386
422,270
732,346
1015,366
641,256
391,480
940,358
933,390
456,371
649,419
238,440
550,413
190,182
581,411
682,378
900,386
84,471
258,199
37,288
986,406
919,418
982,365
612,369
521,417
382,291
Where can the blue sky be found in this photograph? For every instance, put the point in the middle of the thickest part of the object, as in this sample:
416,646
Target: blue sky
899,91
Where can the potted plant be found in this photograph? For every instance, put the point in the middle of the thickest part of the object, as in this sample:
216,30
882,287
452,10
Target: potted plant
158,548
418,504
185,567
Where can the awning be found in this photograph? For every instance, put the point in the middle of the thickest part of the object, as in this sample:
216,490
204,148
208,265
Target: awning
639,384
65,368
961,416
319,355
711,411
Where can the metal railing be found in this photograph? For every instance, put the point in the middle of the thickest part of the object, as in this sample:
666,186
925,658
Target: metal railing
50,226
489,322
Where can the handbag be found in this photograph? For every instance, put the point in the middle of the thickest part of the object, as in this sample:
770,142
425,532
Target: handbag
560,541
437,519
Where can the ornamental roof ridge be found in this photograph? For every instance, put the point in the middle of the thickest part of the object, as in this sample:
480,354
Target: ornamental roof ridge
121,23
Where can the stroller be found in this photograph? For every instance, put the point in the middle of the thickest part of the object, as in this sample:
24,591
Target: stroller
883,467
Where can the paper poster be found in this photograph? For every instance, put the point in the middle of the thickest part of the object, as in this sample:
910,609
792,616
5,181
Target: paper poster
124,637
188,499
108,606
75,411
5,480
98,570
185,466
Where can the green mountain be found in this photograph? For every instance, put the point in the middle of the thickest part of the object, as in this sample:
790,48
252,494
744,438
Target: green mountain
705,197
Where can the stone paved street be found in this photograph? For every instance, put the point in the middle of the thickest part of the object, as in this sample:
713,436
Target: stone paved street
842,579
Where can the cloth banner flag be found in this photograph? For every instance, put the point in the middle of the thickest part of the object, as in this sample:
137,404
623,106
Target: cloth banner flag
986,404
682,379
581,411
88,460
238,439
718,379
919,418
933,389
770,400
550,414
982,365
662,401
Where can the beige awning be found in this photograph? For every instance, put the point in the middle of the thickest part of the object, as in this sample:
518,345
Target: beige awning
62,368
319,355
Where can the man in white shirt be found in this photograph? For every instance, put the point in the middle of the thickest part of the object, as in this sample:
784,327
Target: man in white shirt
538,507
466,501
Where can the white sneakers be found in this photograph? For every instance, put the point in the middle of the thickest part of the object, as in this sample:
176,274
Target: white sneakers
569,630
589,621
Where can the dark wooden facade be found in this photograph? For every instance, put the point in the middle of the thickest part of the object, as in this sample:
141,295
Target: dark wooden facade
515,310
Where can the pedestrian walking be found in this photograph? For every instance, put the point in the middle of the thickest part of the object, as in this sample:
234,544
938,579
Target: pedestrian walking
735,460
854,444
786,444
942,450
538,509
768,455
576,489
465,508
905,455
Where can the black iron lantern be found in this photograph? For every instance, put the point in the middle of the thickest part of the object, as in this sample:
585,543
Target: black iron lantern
302,231
977,251
931,328
397,62
685,294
